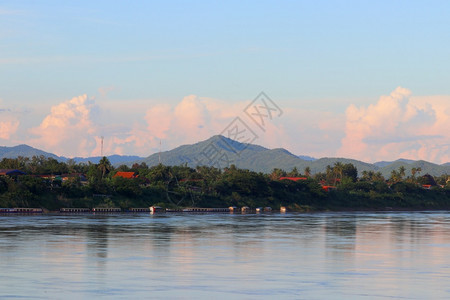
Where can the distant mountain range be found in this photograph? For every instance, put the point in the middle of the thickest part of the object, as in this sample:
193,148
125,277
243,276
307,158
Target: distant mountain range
27,151
260,159
220,151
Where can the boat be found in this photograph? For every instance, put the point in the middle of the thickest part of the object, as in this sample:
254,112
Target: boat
154,209
245,209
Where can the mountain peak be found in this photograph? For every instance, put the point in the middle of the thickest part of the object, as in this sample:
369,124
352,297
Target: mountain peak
221,151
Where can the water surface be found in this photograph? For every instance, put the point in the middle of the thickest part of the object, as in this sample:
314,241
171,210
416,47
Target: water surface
183,256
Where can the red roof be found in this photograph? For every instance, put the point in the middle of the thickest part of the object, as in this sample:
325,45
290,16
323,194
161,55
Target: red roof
327,188
293,178
125,175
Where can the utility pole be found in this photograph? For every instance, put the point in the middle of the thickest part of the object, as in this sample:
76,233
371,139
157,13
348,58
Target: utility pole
159,154
101,151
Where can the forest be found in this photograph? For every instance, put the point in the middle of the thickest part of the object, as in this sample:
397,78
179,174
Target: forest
51,185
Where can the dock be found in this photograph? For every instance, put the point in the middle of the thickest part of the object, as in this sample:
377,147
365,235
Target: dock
22,210
106,209
74,210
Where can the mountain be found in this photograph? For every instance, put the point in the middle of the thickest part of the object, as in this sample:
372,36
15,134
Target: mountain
321,164
25,151
260,159
221,152
28,151
308,158
382,164
426,168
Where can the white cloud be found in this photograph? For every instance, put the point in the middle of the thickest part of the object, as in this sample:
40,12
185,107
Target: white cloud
189,121
69,129
9,123
399,126
8,128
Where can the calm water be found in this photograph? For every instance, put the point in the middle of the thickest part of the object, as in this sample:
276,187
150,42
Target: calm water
292,256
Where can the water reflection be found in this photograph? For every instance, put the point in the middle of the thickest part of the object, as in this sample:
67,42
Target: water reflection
314,256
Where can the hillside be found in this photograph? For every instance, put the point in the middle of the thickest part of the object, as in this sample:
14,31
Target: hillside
24,151
426,168
261,159
244,156
28,151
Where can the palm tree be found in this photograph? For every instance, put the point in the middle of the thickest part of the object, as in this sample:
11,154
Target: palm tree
329,172
294,172
418,170
277,173
366,175
401,172
337,170
413,172
395,176
104,166
307,171
378,177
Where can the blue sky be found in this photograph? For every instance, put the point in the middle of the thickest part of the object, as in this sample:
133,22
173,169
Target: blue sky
312,57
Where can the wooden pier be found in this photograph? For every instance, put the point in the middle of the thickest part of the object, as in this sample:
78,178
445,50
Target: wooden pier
74,210
106,209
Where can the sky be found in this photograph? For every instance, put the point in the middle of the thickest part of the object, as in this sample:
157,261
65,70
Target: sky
368,80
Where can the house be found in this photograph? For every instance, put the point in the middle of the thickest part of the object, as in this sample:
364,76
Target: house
11,172
127,175
328,188
293,178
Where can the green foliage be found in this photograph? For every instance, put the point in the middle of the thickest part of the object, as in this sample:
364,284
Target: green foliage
182,185
126,187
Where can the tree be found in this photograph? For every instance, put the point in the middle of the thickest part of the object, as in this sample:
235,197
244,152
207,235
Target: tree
71,165
104,166
338,170
401,172
366,175
372,176
329,173
350,171
307,171
395,177
413,172
276,174
294,172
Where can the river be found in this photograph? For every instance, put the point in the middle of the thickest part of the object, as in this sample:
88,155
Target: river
401,255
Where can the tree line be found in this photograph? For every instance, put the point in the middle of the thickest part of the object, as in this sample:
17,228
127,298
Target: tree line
52,184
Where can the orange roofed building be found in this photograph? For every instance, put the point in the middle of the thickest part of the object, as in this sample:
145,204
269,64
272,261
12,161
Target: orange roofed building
128,175
293,178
